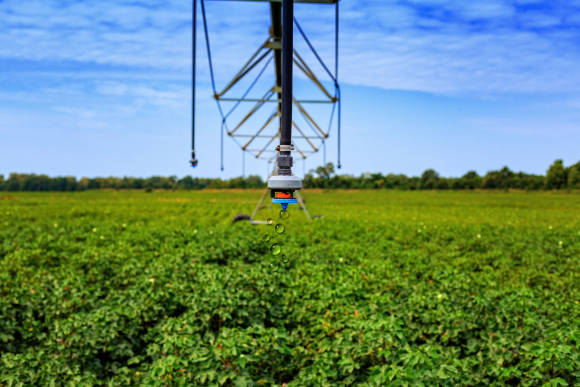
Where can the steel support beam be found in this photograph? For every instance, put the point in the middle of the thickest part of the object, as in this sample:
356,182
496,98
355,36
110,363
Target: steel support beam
296,1
272,100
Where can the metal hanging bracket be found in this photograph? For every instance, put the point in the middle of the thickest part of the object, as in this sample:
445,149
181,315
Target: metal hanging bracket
285,148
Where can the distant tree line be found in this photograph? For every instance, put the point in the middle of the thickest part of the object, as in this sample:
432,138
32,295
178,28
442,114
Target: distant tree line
32,182
557,177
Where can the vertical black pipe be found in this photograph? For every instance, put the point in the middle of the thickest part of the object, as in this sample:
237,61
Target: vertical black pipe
287,62
193,52
285,154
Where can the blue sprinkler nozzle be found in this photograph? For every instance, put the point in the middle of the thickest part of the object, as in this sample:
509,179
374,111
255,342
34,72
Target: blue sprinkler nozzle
284,201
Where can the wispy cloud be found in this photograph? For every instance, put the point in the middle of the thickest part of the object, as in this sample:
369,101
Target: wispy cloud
449,46
467,47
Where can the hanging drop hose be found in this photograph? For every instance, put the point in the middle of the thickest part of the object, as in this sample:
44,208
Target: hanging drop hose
193,160
339,123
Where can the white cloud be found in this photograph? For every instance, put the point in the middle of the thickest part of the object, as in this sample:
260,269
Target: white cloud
481,9
528,2
383,44
538,20
573,19
167,97
518,126
484,9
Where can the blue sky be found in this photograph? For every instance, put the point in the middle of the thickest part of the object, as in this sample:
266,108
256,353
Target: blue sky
95,88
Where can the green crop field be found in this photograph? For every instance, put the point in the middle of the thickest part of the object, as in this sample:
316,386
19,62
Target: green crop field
389,288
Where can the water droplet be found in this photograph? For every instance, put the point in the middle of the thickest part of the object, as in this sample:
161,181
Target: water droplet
267,238
275,249
280,228
269,221
284,214
274,268
284,259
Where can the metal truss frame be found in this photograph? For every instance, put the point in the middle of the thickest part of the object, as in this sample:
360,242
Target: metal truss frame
305,142
308,142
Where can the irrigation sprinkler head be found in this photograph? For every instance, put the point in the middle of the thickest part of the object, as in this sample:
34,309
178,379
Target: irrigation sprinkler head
283,185
282,188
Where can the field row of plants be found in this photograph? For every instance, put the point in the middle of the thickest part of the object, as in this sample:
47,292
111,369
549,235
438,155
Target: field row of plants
389,288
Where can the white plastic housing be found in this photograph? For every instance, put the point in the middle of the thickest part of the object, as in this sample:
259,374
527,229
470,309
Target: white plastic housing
285,182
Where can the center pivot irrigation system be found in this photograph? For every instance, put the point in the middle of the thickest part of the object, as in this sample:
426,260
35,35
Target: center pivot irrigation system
283,185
